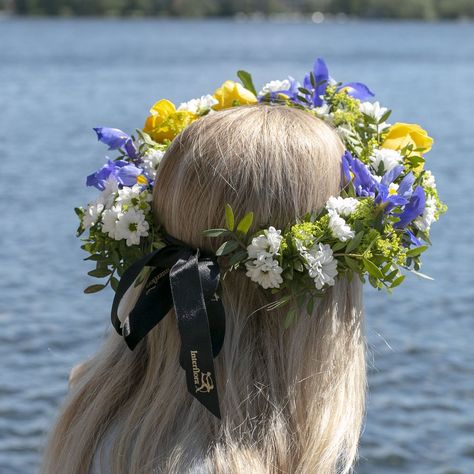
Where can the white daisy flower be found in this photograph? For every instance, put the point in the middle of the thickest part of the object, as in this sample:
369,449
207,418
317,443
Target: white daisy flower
92,214
343,206
339,228
151,160
372,109
321,265
266,272
129,195
424,221
275,86
389,159
265,245
199,106
429,179
108,195
109,221
131,226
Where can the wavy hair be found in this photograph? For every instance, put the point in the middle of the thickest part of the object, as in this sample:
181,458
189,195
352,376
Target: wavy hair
292,400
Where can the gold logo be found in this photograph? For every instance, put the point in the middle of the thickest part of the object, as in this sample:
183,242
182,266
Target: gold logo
151,284
202,381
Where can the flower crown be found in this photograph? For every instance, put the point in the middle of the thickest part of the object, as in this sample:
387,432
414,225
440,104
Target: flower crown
377,227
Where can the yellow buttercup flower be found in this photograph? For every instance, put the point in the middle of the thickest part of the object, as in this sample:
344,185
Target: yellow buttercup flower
165,122
402,134
232,93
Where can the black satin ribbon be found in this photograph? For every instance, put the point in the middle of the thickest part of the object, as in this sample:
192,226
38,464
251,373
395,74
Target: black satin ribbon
183,278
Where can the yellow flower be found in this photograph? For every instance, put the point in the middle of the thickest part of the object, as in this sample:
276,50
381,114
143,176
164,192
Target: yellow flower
232,93
165,122
402,134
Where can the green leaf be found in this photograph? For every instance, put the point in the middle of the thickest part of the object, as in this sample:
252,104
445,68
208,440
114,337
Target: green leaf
95,258
229,217
397,281
100,272
244,224
114,283
215,232
352,263
94,288
338,246
373,270
355,242
289,318
227,247
237,257
247,81
416,251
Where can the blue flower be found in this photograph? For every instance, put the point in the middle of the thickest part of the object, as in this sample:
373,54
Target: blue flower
412,239
115,139
387,197
365,184
413,209
124,173
321,76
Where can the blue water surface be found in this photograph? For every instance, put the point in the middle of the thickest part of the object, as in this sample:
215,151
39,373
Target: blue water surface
60,78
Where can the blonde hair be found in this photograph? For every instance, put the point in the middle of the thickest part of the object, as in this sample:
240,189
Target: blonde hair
292,401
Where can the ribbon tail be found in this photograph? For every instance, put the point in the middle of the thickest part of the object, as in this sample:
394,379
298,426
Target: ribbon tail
196,346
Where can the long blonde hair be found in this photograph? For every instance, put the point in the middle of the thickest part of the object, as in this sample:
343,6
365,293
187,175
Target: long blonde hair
292,400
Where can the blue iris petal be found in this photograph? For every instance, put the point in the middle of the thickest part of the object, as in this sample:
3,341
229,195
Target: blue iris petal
390,176
413,209
125,174
357,90
405,185
413,240
113,137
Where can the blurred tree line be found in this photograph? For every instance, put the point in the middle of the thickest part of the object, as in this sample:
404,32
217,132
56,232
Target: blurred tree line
418,9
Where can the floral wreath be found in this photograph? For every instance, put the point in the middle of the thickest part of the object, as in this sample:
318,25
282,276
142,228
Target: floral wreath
377,227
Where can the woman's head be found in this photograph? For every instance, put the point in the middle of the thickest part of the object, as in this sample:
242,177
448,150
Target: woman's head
291,399
279,162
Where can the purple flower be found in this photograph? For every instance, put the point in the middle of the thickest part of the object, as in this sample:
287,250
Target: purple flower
321,77
124,173
386,198
413,209
412,239
364,182
357,90
115,139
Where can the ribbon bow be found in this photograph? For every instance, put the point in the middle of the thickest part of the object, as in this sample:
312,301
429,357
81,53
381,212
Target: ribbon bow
183,278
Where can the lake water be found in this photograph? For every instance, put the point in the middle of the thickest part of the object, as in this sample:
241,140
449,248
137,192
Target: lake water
60,78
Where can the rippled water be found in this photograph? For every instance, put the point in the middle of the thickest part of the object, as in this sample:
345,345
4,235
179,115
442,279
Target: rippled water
60,78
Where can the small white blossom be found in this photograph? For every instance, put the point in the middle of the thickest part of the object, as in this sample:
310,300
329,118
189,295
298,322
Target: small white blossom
199,106
131,226
320,263
108,195
275,86
375,111
345,131
389,159
424,221
265,245
128,194
323,112
263,268
92,214
265,272
339,228
151,160
429,179
343,206
109,221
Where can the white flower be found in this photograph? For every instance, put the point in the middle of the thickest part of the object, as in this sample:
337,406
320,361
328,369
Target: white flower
389,159
339,228
321,265
323,112
109,221
92,214
127,194
199,106
108,195
266,272
265,245
376,112
275,86
131,225
372,109
392,188
429,179
151,160
424,221
345,131
343,206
